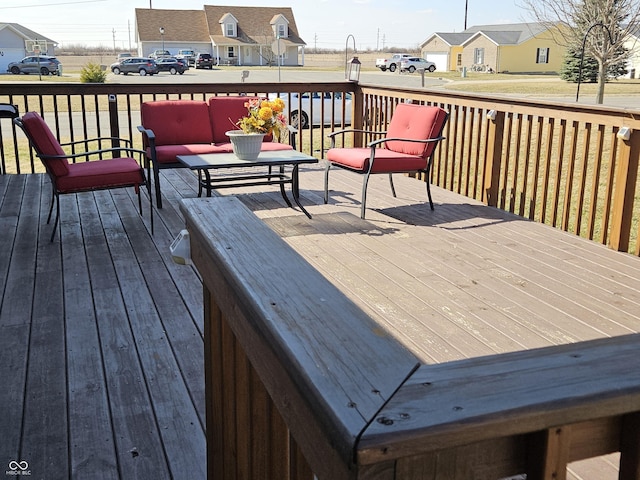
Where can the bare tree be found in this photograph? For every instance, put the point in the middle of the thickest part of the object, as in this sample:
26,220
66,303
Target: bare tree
602,26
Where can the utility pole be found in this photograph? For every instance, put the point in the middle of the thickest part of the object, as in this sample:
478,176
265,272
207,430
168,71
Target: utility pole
114,40
466,8
378,39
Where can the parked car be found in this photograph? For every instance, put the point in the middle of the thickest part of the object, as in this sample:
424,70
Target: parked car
392,63
412,64
142,66
123,55
204,60
159,54
172,65
42,64
188,55
301,108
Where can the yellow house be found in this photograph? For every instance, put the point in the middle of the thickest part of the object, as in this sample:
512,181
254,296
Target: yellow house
514,48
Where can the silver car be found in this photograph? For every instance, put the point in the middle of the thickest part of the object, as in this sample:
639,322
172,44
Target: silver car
42,64
414,63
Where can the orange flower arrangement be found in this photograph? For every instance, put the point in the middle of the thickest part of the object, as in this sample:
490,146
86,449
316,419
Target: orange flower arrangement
265,116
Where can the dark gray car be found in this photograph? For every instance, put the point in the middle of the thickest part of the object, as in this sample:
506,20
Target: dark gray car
42,64
142,66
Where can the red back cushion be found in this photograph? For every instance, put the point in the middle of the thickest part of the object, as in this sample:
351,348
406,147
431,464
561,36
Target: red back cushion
417,122
45,143
225,113
177,122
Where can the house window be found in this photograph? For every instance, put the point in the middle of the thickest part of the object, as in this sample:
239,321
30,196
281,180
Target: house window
230,29
459,60
231,52
478,56
542,55
282,31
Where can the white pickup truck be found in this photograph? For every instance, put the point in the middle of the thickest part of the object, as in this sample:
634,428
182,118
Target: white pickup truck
392,63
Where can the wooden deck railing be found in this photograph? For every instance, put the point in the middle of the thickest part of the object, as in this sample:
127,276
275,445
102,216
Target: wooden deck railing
561,164
299,381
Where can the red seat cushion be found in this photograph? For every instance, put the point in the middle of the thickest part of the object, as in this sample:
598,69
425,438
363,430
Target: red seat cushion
224,114
98,174
386,161
168,153
177,122
45,143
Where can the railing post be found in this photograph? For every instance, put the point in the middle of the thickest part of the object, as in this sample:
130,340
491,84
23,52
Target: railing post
357,117
114,124
493,157
625,188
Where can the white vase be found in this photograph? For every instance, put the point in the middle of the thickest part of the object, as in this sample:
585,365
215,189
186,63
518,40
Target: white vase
246,146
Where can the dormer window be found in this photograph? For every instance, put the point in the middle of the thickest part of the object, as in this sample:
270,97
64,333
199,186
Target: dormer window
280,26
229,25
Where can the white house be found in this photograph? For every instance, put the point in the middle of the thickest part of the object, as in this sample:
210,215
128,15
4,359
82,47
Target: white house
16,42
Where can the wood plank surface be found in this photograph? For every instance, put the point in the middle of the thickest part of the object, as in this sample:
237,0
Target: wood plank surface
462,281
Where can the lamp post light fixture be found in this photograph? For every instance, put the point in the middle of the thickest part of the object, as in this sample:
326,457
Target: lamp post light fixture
349,70
353,69
162,36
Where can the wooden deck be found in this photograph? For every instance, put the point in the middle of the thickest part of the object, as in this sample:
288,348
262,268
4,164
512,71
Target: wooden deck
101,356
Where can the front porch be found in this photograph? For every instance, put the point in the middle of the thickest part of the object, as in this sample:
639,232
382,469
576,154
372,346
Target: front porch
101,342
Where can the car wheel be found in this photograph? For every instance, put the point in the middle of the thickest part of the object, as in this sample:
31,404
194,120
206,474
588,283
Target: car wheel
299,121
384,69
15,70
142,72
181,72
44,71
173,70
432,68
116,71
392,67
412,69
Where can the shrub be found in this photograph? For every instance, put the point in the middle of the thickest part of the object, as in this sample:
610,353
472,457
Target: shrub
93,73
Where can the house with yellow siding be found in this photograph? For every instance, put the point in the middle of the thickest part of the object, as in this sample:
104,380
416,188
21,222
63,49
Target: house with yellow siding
514,48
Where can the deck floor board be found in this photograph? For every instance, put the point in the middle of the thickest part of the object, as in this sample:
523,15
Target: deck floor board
101,350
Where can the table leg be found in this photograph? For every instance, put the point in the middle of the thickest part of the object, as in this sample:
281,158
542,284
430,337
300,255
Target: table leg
295,189
282,191
207,181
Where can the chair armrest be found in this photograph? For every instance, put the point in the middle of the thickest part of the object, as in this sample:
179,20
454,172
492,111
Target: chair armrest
86,141
292,135
93,152
332,135
374,143
148,133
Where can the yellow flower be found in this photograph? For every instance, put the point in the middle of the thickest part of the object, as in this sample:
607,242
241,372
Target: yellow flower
264,117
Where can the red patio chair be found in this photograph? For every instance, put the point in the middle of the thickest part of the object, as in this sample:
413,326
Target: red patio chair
69,177
407,146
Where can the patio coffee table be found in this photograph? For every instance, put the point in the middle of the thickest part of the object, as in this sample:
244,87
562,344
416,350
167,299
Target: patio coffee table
204,164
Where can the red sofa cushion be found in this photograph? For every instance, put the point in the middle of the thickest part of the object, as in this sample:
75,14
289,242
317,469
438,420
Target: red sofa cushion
415,122
98,174
168,153
177,122
45,143
224,114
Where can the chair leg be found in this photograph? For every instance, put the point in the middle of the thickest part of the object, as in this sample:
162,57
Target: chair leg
156,181
326,182
53,199
428,182
393,190
55,223
364,195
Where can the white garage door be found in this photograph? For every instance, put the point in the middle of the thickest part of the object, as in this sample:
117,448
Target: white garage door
8,55
440,59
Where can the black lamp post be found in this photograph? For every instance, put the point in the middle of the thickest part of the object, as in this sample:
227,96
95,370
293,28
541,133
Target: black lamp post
351,67
162,36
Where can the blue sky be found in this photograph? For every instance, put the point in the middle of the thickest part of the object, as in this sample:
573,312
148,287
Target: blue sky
375,24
